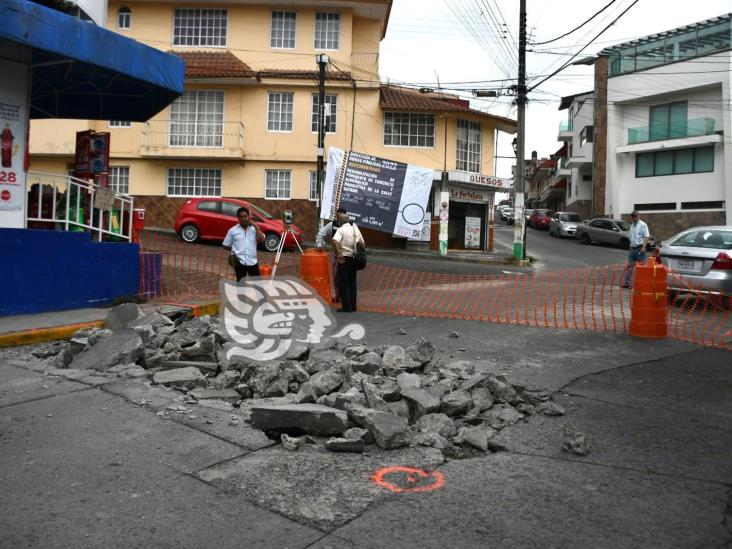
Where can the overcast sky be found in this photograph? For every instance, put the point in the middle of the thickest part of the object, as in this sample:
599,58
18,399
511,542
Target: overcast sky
453,41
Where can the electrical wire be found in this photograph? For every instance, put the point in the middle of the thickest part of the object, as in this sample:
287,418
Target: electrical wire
578,27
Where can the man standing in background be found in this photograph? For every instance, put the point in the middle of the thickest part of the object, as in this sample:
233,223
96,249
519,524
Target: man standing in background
242,240
639,237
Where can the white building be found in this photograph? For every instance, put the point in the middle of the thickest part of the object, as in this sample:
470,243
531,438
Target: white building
577,131
668,126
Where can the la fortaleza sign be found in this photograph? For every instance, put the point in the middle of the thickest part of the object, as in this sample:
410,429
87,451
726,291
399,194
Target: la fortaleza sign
464,194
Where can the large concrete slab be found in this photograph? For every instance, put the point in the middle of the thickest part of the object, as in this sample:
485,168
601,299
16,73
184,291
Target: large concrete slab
693,383
19,323
222,424
88,469
20,385
312,485
509,500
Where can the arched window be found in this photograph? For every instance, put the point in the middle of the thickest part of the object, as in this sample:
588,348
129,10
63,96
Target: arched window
124,18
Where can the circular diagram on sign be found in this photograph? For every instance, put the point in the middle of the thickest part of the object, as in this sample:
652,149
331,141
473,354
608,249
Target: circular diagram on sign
413,214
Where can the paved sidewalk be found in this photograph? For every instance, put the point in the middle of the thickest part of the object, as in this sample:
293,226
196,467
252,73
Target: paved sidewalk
19,323
91,462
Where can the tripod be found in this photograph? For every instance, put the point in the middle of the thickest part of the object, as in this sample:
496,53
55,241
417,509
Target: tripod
281,246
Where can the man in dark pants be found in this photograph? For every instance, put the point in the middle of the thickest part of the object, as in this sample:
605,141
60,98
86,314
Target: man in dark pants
345,240
242,240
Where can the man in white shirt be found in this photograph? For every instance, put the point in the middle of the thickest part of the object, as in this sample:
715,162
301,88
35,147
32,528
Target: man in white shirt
329,230
639,238
242,240
345,240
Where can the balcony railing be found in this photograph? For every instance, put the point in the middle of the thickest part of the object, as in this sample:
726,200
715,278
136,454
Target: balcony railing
565,126
694,127
65,203
175,138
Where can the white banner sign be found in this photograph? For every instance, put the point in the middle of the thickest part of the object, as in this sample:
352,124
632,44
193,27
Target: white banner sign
13,125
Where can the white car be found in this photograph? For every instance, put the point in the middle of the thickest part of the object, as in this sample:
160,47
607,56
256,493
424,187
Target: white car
564,224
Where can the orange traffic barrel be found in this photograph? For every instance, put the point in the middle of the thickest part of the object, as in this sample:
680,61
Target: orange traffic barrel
649,306
265,270
315,271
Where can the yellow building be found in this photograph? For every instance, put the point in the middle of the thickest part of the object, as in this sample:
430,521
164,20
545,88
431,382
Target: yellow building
246,125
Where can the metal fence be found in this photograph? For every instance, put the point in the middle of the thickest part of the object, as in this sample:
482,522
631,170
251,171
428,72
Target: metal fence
63,202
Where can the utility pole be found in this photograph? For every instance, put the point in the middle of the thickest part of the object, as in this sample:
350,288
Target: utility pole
322,61
519,236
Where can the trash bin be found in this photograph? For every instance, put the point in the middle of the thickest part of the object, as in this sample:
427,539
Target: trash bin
151,274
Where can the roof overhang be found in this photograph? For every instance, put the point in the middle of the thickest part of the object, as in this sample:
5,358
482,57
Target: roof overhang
83,71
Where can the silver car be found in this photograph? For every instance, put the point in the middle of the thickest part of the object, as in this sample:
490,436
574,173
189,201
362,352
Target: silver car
564,224
702,258
607,231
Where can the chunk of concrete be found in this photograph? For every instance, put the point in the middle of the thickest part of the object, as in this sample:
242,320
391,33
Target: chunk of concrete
420,402
550,409
357,433
373,400
389,431
183,378
437,423
355,446
309,418
407,380
122,347
461,369
203,367
268,380
502,415
399,408
456,403
482,398
227,395
421,352
395,358
118,317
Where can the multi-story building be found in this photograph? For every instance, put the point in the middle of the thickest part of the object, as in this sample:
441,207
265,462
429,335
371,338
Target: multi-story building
246,125
663,128
575,157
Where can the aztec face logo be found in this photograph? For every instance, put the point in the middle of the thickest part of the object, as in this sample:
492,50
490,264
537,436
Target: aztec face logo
265,317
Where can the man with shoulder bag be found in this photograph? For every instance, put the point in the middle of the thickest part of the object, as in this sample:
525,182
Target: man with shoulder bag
346,242
242,240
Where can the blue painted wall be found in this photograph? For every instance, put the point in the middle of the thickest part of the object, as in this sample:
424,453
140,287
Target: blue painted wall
54,270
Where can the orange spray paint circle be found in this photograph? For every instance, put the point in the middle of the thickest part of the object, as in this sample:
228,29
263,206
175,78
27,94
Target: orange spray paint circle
424,481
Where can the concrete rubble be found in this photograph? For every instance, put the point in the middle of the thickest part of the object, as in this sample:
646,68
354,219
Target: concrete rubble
344,396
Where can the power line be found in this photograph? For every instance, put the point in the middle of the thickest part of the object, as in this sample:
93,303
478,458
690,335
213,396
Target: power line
565,65
578,27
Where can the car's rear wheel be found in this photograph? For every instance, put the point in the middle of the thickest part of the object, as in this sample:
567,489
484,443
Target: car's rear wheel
190,233
624,243
585,239
271,242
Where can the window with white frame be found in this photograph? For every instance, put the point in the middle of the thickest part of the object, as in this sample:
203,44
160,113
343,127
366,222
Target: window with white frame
282,29
279,112
278,184
314,185
331,108
199,27
197,119
120,124
194,182
468,146
403,129
124,18
119,179
327,31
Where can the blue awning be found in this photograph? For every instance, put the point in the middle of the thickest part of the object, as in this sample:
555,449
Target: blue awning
80,70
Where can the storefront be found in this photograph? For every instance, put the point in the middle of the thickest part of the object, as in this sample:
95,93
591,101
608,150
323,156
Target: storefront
469,207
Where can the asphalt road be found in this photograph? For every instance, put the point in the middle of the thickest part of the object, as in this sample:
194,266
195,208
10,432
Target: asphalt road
93,462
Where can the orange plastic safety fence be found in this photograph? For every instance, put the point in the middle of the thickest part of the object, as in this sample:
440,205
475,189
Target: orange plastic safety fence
582,299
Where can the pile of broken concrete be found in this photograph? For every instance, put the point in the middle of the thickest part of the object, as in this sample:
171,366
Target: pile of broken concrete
345,396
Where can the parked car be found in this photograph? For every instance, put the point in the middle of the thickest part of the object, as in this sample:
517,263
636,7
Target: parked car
527,213
564,224
509,215
702,257
502,209
210,219
540,218
607,231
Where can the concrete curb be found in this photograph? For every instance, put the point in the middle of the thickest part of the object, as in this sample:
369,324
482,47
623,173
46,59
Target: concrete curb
453,258
40,335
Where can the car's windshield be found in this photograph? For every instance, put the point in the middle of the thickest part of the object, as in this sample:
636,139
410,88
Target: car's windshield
624,225
569,217
705,238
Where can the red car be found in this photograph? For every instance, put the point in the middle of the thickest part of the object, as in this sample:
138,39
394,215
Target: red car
210,219
541,219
